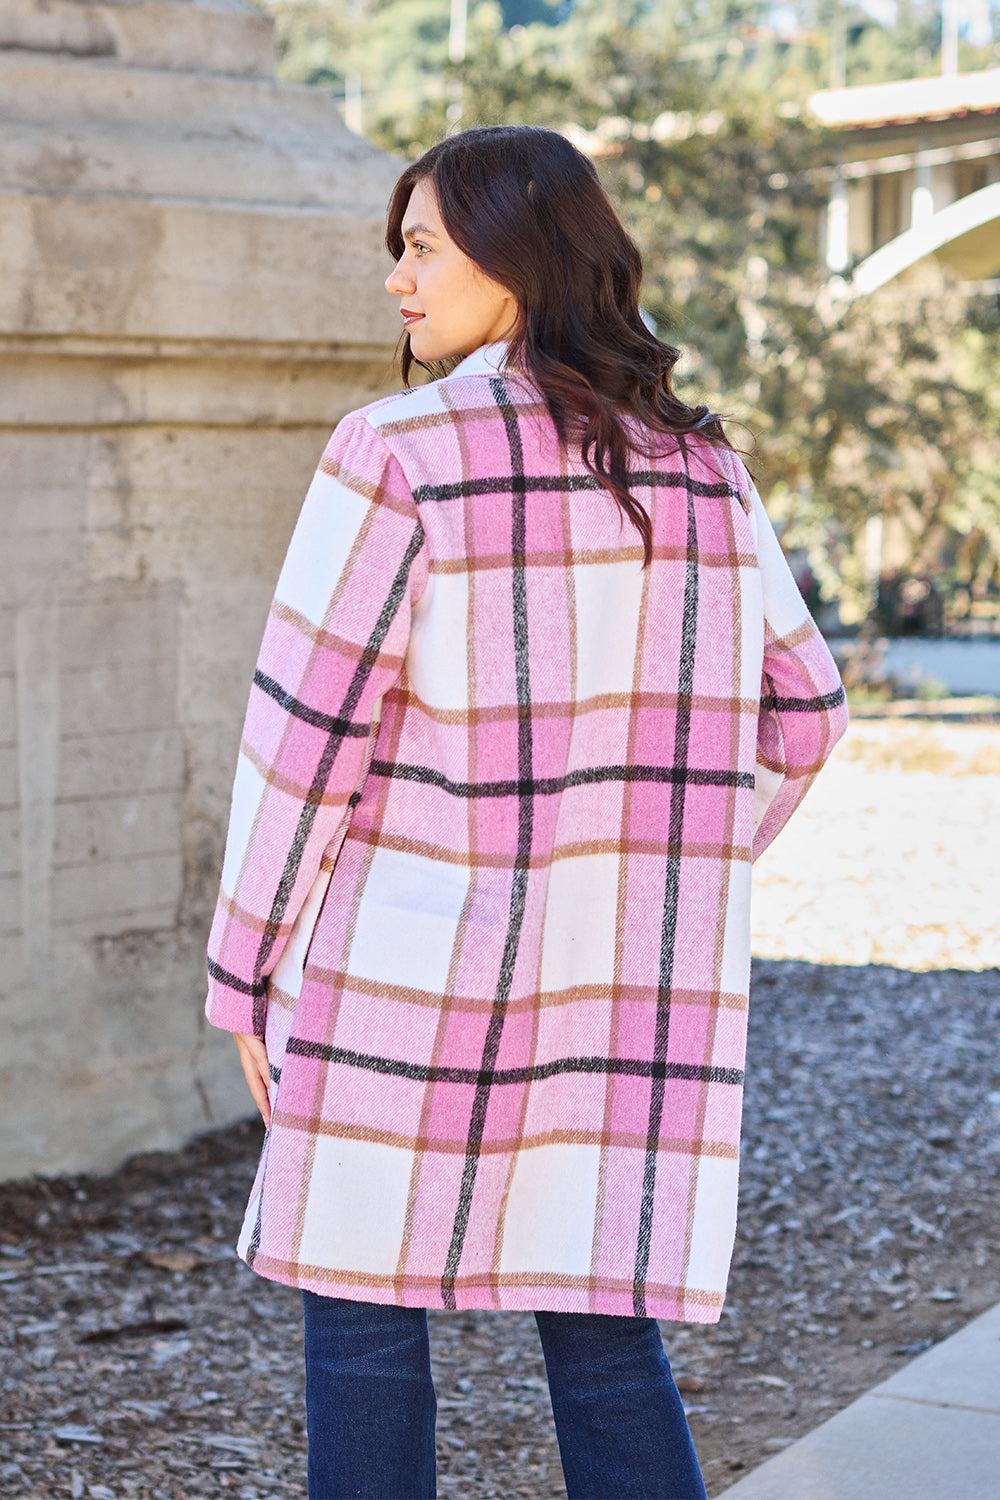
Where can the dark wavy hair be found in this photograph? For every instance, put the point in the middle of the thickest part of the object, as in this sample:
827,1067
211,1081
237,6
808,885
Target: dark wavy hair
529,210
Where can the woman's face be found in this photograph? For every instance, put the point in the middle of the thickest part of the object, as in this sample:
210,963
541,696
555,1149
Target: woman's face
449,306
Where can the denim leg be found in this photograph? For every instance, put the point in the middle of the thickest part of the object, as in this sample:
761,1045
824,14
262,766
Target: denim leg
370,1403
619,1419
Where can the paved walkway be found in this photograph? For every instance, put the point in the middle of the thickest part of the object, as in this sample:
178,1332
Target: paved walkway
931,1432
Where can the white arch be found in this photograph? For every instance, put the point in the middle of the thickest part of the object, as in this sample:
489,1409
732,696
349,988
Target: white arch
970,212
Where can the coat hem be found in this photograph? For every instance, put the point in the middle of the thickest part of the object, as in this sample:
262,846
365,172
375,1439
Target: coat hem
492,1293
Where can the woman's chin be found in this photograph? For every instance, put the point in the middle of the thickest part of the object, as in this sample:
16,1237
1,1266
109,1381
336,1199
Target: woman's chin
422,347
431,351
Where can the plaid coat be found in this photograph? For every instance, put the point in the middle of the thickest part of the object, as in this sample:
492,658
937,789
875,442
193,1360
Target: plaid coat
487,882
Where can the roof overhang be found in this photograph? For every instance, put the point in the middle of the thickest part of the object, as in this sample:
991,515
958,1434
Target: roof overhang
908,101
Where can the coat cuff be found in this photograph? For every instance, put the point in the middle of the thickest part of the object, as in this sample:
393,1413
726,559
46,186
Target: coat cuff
233,1009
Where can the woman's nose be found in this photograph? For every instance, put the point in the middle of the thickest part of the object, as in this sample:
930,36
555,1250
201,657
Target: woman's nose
397,280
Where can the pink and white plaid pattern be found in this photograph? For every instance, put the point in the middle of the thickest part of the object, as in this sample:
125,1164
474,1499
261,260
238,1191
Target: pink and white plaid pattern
486,888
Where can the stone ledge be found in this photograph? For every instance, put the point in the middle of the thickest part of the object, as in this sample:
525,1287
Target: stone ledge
81,125
108,347
238,386
137,268
202,36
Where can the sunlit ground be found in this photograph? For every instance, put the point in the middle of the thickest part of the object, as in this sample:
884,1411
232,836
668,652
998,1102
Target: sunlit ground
894,856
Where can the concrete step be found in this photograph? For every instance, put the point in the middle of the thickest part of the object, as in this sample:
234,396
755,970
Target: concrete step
930,1432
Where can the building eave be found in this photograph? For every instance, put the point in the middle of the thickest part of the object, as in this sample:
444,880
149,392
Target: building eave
867,107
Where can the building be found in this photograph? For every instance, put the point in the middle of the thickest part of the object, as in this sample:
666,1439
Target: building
918,179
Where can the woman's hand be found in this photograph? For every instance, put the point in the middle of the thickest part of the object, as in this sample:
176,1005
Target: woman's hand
256,1071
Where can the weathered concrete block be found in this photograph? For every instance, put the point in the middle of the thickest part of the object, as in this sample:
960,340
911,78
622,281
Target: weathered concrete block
178,338
36,562
10,908
39,474
120,695
131,760
130,628
208,37
181,272
93,891
8,717
10,841
114,828
8,620
9,790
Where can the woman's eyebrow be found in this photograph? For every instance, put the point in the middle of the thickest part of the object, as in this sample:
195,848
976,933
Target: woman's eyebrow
412,230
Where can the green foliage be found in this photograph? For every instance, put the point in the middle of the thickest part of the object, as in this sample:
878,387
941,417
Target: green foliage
886,409
398,49
695,117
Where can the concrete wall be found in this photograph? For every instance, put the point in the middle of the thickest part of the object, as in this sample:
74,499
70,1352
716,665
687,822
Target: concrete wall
190,297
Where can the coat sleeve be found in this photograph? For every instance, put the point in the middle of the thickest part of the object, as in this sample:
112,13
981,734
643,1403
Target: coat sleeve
335,640
803,712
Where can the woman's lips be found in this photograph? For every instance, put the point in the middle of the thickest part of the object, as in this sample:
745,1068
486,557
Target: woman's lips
409,318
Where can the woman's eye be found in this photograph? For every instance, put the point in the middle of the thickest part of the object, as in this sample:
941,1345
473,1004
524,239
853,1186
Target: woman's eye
421,250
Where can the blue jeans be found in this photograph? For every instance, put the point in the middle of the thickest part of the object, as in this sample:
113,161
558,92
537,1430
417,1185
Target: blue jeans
370,1405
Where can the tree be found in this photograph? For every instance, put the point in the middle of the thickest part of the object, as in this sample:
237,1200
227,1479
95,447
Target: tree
886,409
695,118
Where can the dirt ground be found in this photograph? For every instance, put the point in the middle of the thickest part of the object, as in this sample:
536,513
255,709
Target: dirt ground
140,1359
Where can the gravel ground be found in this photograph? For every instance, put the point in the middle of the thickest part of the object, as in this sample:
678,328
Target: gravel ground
141,1360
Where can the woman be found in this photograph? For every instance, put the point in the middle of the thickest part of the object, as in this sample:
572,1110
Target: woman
535,688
